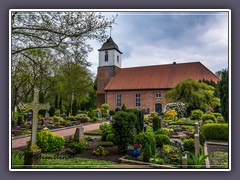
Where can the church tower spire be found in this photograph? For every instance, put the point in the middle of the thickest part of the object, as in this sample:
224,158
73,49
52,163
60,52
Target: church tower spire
110,61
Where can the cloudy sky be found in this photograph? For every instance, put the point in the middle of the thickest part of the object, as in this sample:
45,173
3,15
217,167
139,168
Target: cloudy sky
153,38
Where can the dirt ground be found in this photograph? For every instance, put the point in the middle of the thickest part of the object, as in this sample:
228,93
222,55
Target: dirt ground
113,153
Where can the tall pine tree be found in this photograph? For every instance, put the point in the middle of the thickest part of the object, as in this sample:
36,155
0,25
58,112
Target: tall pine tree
223,94
56,101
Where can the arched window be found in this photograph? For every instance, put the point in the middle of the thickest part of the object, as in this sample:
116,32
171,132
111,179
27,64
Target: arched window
106,55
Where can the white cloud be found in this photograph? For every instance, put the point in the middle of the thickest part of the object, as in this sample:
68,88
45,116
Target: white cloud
164,39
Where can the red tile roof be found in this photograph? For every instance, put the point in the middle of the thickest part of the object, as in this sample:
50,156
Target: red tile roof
159,77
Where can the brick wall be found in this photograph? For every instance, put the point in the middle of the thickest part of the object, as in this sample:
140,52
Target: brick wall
103,77
148,99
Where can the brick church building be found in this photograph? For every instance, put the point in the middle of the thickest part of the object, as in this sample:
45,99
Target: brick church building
140,87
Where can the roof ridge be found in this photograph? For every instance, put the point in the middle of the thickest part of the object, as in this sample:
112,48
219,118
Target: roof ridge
162,65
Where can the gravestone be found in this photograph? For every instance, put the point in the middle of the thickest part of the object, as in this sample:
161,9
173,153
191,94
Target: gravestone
99,114
35,106
160,122
185,161
79,134
196,144
196,128
145,127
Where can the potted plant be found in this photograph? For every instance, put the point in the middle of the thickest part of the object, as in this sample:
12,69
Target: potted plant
134,150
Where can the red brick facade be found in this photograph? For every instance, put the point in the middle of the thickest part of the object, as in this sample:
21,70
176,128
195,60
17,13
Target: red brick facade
148,99
103,77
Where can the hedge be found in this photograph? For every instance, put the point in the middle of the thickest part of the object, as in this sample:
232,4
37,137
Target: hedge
215,131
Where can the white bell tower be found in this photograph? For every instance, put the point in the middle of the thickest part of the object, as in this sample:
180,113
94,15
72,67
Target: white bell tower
109,54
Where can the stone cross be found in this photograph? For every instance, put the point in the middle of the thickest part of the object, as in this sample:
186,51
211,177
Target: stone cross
35,106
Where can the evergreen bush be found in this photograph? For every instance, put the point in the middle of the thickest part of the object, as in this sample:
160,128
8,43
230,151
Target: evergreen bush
196,114
161,139
209,117
215,131
147,137
156,123
124,129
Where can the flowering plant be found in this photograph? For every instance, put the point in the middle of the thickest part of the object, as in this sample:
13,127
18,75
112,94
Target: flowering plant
134,147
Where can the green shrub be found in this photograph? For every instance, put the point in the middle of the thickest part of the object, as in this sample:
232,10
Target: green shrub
111,112
91,114
147,137
95,119
188,145
162,139
77,147
58,119
140,119
82,118
208,122
124,108
209,117
217,114
49,142
124,129
117,109
26,132
215,131
168,131
156,123
105,106
70,118
111,137
147,152
196,114
100,151
160,131
106,144
106,130
170,114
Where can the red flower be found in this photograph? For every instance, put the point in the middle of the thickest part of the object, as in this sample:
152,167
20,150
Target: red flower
137,146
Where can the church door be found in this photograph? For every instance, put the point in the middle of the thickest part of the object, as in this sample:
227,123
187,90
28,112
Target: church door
158,108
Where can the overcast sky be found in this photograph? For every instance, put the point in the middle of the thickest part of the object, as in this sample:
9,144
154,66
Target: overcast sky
153,38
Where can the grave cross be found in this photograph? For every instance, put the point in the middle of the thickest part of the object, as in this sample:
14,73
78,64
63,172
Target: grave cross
35,106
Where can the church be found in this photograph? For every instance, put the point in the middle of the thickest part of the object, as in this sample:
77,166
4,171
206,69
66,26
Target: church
141,87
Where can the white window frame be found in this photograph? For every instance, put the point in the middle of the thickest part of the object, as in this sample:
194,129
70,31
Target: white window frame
118,100
158,95
138,100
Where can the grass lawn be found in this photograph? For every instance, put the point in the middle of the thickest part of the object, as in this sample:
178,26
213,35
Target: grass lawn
219,159
94,132
52,161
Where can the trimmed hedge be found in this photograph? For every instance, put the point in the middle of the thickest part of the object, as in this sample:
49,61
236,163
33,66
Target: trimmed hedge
206,117
215,131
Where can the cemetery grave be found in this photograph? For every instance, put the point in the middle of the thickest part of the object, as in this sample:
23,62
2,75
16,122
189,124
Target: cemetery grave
162,143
